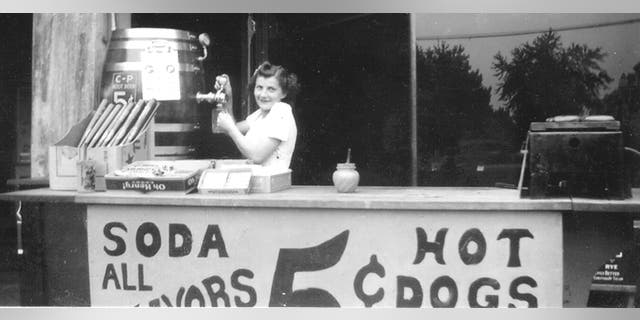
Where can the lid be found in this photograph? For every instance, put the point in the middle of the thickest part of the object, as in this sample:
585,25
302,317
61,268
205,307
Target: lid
346,165
577,123
153,33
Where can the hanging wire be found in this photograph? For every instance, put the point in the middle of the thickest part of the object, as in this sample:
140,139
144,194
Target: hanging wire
525,32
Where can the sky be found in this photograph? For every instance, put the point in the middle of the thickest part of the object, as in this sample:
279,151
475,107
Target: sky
621,42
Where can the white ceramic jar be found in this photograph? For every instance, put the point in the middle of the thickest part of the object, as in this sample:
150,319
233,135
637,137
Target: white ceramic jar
346,177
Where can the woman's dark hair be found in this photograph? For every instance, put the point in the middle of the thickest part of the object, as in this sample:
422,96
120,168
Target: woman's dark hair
288,81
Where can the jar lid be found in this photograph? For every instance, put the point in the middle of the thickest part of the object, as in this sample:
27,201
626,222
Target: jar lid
346,165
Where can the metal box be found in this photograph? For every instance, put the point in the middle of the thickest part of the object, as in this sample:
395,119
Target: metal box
577,159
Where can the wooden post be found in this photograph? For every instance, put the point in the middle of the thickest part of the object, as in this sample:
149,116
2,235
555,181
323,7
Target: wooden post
246,67
413,96
67,59
258,53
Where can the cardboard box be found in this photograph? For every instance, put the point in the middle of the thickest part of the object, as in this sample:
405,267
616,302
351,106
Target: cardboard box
268,182
184,183
182,177
263,179
63,157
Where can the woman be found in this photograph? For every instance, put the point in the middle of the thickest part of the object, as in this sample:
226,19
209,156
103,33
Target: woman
267,136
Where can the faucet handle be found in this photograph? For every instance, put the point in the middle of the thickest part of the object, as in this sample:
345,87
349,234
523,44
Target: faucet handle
205,41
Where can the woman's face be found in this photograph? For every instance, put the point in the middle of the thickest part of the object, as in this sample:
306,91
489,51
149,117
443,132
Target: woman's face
267,92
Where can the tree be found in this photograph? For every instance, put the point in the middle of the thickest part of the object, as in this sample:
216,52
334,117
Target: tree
626,94
545,79
623,103
451,97
452,104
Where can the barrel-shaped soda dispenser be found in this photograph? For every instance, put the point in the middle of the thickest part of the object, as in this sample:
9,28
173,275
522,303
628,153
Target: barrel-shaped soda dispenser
160,64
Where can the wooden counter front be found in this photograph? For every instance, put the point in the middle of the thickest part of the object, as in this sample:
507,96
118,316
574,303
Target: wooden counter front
71,232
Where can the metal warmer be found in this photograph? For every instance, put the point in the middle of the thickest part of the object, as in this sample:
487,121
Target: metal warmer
578,158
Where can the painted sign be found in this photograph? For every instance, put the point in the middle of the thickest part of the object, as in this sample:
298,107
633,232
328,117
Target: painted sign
619,270
256,257
161,74
125,86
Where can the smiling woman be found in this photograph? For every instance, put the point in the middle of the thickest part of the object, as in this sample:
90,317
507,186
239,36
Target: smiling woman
268,135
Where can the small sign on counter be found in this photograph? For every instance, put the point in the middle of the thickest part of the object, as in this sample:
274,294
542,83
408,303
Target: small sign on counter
225,181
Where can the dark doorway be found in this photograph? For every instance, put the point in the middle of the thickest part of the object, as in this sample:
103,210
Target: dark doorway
354,72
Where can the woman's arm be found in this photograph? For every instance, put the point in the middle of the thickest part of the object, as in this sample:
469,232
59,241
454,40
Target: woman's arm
256,149
243,126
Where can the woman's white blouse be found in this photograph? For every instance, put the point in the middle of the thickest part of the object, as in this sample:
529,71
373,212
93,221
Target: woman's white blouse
279,124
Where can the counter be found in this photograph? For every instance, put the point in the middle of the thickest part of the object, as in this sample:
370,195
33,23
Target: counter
375,198
310,246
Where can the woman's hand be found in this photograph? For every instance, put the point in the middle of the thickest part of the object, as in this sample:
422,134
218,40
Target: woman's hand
257,148
225,121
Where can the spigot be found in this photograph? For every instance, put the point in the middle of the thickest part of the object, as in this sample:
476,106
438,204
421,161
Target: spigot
208,97
220,97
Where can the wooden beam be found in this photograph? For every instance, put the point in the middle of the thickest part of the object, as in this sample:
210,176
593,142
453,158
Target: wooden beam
67,60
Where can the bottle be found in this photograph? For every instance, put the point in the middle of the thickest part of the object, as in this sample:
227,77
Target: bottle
86,171
346,177
214,119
